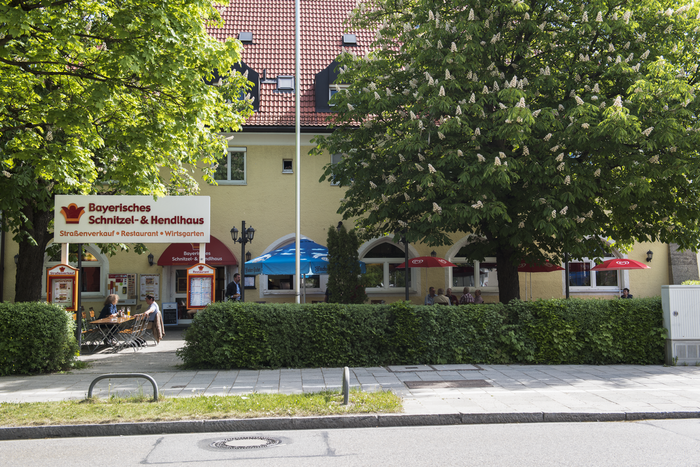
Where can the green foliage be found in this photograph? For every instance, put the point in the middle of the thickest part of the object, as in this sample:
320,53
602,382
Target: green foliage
690,282
108,97
248,335
35,338
538,126
345,284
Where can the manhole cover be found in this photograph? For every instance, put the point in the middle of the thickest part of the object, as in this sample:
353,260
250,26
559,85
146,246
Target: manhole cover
247,442
460,383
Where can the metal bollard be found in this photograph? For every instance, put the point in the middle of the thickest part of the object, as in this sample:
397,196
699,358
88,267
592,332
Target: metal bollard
125,375
346,386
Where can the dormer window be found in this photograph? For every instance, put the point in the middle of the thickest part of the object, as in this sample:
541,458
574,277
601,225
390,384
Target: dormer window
245,37
334,89
285,83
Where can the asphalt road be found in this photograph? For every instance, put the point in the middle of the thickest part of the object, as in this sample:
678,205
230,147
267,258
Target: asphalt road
654,443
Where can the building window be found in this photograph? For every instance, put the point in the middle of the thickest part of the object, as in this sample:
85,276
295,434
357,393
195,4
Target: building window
231,167
582,278
335,159
472,272
287,282
287,166
94,268
335,89
382,275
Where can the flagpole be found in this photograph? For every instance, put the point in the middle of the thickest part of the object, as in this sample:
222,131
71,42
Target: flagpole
297,82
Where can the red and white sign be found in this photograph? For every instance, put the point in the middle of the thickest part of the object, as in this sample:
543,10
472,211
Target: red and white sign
131,219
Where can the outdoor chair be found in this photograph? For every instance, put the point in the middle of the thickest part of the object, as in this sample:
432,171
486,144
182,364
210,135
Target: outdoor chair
126,333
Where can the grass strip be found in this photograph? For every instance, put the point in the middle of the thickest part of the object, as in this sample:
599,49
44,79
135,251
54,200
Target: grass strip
142,409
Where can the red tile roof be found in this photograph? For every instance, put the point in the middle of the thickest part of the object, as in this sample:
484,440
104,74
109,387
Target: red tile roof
272,25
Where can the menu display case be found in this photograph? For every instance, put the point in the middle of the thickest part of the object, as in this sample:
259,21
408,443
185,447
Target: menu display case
62,286
200,286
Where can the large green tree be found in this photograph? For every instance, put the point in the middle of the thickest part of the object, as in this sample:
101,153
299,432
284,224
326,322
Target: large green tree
538,126
106,96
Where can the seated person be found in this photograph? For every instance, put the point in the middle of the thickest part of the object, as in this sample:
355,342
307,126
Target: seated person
430,298
466,297
477,297
441,299
626,293
109,310
453,298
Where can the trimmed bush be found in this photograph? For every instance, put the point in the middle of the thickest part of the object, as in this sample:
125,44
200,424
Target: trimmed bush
249,335
35,337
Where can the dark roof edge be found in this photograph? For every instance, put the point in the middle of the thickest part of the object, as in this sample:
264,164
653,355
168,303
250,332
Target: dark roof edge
285,129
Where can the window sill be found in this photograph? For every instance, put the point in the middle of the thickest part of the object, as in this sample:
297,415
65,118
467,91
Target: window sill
594,290
230,182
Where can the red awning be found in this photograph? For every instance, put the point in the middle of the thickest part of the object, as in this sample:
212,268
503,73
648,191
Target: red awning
187,254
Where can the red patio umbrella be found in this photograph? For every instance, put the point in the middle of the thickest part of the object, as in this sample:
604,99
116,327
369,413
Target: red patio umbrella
619,264
546,267
427,262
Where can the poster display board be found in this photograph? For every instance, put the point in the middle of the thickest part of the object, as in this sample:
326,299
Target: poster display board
149,284
200,286
62,286
123,285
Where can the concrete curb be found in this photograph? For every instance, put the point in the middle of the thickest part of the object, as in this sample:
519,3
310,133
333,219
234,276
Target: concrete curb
322,423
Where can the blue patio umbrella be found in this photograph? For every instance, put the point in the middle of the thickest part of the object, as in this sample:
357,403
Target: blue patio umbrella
313,259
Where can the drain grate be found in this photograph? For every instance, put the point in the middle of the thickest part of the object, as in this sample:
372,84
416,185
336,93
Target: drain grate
246,442
179,386
460,383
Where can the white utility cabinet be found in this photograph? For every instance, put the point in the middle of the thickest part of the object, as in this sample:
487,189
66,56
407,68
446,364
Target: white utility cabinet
681,306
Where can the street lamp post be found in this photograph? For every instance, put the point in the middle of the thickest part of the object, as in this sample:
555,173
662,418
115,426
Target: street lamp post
246,237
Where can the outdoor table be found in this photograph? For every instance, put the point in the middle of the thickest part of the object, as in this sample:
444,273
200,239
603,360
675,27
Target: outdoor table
110,326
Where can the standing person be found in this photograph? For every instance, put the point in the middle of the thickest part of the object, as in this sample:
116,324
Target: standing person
430,298
466,297
233,289
155,318
441,299
477,297
626,293
453,298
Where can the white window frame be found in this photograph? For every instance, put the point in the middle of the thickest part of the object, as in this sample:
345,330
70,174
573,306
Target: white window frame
334,89
386,289
102,263
264,291
228,180
594,288
288,171
451,256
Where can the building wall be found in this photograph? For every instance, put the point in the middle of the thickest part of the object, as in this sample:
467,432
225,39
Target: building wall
267,203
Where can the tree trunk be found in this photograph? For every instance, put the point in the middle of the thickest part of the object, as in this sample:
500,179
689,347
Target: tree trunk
30,266
508,279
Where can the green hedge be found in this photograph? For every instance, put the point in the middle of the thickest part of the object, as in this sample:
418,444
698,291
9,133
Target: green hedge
35,337
249,335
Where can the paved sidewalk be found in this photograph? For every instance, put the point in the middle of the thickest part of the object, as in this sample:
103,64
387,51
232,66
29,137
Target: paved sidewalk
437,389
432,395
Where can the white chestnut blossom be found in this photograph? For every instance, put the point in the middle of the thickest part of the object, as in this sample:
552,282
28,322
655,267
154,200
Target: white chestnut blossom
526,151
478,205
555,148
453,48
648,131
350,107
401,158
472,99
477,131
536,113
563,211
437,208
502,155
406,195
654,160
419,167
561,167
431,169
420,157
372,184
554,214
618,101
548,137
460,153
560,157
458,111
585,126
441,136
597,173
376,95
497,161
480,158
579,101
442,92
567,180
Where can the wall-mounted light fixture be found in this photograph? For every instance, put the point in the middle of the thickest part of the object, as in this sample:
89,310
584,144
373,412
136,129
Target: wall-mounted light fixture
16,259
433,253
150,259
248,256
650,255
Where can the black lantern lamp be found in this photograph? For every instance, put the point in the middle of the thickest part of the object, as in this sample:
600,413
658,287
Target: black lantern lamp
650,255
150,259
248,256
433,253
16,259
246,237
